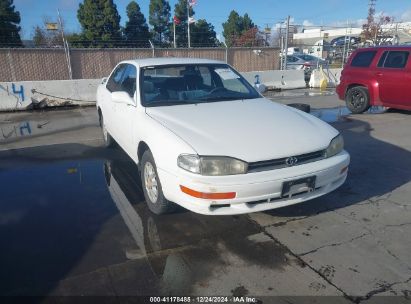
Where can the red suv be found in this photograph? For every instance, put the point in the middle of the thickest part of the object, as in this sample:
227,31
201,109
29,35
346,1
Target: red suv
379,76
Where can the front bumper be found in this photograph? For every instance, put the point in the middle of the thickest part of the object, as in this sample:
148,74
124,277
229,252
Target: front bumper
254,191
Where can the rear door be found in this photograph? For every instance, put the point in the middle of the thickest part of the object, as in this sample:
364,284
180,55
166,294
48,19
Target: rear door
394,78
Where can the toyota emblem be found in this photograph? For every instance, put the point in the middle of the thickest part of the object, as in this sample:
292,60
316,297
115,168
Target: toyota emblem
291,161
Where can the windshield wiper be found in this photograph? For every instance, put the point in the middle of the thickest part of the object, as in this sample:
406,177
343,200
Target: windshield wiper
222,98
170,103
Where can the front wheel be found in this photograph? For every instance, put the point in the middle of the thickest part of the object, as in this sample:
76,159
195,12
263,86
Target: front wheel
357,100
153,192
108,140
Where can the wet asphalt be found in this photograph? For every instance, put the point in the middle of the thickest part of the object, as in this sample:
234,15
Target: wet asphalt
73,221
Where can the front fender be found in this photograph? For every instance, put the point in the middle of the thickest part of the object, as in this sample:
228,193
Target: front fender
164,144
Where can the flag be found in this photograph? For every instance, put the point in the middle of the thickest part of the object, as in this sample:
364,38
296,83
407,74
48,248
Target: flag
192,2
176,20
191,20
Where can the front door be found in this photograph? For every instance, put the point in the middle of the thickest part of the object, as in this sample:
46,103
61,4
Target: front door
126,112
111,107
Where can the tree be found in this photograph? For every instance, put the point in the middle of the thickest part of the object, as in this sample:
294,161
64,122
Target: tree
39,37
180,11
136,30
203,34
160,20
235,26
100,23
232,28
47,38
247,23
75,40
251,37
9,25
372,30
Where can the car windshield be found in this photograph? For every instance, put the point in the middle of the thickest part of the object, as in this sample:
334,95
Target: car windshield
169,85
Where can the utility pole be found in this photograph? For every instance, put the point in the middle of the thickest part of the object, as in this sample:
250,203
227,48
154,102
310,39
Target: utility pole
188,24
286,42
174,34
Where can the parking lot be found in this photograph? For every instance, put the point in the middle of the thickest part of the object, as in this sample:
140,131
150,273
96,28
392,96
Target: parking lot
73,220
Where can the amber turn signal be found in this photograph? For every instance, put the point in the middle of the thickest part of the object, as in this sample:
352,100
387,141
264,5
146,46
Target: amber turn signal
203,195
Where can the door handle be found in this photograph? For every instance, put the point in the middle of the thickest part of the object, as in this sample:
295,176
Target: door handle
378,74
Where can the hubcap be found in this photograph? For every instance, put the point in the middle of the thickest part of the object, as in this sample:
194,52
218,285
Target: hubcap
150,182
357,99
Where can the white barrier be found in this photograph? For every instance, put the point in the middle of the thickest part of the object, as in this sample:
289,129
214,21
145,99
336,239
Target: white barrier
332,75
275,79
22,95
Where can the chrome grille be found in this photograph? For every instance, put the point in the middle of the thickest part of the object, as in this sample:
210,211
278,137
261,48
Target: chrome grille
279,163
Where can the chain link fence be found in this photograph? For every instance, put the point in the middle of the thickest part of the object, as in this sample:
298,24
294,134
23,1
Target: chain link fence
52,64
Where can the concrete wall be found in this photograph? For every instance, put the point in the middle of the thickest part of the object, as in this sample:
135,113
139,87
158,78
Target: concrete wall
25,95
276,79
332,76
21,95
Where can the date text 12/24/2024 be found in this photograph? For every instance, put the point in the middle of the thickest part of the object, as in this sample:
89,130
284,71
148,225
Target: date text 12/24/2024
205,299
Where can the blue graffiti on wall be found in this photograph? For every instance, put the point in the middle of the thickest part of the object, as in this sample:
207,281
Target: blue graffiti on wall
25,126
20,92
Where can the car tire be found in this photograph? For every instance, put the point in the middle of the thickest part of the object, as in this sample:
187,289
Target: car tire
301,106
151,185
357,99
108,140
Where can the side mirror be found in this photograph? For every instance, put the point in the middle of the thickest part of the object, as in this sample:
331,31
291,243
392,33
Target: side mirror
104,80
260,88
122,97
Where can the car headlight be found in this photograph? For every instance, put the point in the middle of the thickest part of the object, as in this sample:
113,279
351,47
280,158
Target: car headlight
335,147
211,165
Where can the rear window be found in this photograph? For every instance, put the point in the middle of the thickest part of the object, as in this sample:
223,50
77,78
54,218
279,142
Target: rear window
363,59
394,59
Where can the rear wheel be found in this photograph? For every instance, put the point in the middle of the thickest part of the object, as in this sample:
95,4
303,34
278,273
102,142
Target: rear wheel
153,192
108,140
357,99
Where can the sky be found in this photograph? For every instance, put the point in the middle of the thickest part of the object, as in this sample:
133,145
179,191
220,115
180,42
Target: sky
262,12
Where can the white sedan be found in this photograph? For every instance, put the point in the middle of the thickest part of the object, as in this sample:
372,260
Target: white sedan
205,139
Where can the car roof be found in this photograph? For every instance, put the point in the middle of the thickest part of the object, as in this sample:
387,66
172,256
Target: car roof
386,47
171,60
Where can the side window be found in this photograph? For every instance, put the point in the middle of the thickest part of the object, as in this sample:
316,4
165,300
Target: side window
292,59
205,73
363,59
128,80
114,82
382,59
395,59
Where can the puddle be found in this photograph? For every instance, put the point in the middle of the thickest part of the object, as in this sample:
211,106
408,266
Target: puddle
61,221
341,113
332,114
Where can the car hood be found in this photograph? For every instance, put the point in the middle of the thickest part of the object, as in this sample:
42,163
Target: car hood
250,130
